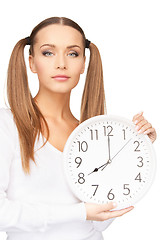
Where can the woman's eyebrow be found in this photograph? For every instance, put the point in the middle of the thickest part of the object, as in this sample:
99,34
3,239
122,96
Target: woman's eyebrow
48,45
74,46
53,46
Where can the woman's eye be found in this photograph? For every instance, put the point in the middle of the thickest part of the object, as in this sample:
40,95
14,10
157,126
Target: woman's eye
47,53
73,54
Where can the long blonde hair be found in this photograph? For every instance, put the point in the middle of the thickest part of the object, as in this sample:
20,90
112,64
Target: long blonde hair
27,116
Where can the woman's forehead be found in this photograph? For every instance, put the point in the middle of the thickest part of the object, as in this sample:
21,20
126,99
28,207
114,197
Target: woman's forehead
59,34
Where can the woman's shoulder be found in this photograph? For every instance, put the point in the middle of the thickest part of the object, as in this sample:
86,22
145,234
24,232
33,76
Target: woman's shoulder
5,110
6,120
7,131
5,114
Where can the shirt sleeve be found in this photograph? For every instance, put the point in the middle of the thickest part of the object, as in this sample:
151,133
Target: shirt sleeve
17,215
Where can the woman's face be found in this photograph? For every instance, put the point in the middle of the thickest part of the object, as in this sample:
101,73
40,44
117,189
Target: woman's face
58,50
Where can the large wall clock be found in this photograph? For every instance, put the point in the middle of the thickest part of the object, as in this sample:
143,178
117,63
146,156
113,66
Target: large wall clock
106,159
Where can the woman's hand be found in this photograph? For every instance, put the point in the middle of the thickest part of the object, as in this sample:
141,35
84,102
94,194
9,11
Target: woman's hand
101,212
143,126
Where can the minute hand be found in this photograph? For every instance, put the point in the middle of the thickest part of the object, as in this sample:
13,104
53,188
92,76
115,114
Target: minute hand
109,161
109,151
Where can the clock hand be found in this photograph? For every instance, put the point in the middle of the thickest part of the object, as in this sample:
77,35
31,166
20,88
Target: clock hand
96,169
121,148
109,161
109,148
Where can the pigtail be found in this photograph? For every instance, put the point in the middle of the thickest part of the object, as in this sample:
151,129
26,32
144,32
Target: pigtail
93,99
25,112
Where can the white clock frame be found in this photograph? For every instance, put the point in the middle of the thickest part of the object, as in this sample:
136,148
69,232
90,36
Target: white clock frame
129,128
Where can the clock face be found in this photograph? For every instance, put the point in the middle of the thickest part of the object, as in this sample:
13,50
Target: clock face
105,159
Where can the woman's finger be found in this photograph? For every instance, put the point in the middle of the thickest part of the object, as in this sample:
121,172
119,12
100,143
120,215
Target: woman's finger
144,128
150,130
137,115
118,213
139,119
141,124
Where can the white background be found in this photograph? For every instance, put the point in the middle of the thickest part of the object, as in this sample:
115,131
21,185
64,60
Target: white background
127,34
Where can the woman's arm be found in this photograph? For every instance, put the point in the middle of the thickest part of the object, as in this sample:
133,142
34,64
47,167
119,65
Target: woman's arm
21,215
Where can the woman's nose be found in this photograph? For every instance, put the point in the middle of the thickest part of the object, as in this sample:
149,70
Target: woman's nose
61,62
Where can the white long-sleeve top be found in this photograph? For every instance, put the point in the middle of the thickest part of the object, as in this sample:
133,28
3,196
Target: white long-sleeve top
40,205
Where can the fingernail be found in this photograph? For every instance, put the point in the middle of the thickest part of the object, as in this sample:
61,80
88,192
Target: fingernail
141,112
137,127
115,204
131,208
140,131
136,121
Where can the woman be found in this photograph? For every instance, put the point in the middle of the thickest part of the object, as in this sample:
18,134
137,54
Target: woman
35,201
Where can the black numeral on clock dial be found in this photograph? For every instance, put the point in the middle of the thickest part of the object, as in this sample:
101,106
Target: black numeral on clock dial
94,134
137,146
109,130
138,177
126,188
81,179
110,195
78,161
140,162
83,146
95,189
124,133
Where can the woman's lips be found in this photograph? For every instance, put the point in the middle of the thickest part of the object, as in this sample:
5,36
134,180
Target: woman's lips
61,77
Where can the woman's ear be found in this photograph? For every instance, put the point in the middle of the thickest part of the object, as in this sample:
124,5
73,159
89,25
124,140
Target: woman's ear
83,68
31,64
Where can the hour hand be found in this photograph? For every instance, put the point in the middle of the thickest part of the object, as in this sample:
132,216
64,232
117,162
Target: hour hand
96,169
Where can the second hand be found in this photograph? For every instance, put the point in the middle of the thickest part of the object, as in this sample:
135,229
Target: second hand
109,161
